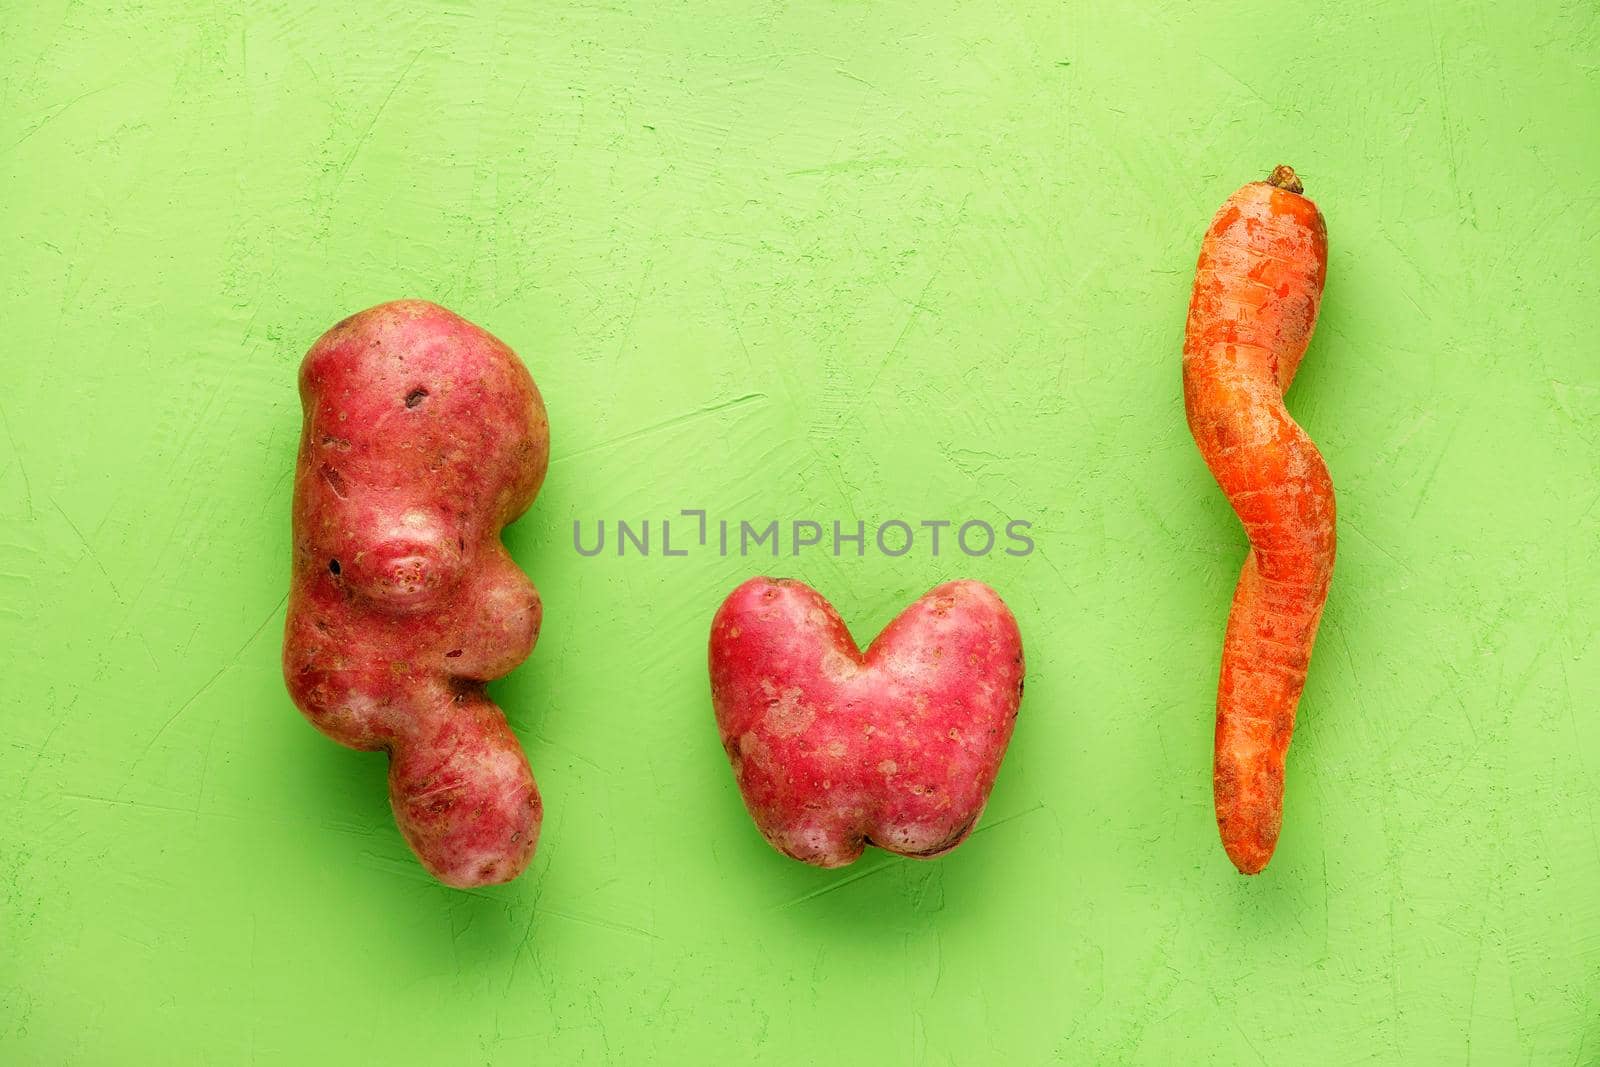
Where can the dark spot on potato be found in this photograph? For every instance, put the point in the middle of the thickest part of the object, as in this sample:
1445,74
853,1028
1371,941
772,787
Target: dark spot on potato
486,870
453,653
333,569
416,396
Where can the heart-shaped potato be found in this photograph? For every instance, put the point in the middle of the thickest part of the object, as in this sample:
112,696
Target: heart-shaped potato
835,749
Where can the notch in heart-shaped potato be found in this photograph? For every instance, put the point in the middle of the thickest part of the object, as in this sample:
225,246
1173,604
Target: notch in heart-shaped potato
835,749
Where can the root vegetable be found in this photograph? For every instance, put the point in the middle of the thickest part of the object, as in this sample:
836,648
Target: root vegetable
835,749
1256,293
423,437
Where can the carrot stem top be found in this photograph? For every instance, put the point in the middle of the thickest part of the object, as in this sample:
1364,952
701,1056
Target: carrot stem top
1284,177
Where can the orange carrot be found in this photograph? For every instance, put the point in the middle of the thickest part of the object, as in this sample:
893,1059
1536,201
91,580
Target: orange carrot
1256,291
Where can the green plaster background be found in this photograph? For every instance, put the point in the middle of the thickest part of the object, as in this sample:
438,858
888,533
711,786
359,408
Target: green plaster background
806,261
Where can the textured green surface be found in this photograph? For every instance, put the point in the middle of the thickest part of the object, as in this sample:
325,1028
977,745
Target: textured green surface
819,261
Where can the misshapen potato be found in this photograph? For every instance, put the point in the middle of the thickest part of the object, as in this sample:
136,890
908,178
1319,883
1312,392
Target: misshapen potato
423,437
835,749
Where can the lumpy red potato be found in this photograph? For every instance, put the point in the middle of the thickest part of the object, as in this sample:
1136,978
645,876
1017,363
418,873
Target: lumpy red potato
835,749
423,437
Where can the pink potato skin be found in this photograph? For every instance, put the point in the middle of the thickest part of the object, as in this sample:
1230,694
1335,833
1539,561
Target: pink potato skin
834,749
423,437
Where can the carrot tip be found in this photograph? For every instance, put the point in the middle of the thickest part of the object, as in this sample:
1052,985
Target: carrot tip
1248,852
1284,177
1249,868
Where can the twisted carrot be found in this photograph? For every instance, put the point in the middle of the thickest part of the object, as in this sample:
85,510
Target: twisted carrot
1256,291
